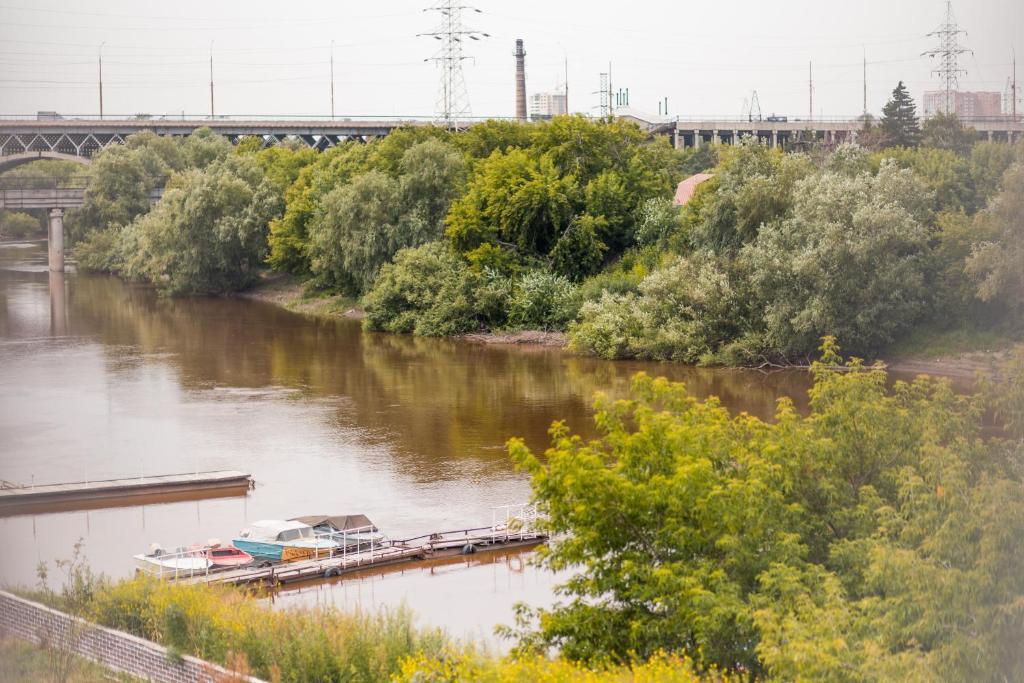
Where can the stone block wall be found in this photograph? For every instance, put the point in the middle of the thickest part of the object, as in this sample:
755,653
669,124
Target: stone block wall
116,650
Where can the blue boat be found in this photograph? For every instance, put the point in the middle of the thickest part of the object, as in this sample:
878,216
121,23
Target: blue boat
277,541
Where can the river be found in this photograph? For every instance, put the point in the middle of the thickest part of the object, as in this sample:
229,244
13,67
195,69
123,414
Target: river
103,379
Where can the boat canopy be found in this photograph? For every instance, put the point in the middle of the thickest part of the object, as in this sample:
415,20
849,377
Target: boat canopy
339,522
277,530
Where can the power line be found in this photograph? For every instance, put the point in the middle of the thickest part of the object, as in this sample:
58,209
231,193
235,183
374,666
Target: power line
453,98
948,50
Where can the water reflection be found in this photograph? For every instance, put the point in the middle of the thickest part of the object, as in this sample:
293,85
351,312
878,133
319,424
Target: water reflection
99,378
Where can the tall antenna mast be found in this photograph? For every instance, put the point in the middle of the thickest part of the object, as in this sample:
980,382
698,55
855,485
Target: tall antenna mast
1013,89
865,84
810,91
211,79
948,50
452,100
332,80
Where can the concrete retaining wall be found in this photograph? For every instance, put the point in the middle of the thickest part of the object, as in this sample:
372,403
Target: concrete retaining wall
114,649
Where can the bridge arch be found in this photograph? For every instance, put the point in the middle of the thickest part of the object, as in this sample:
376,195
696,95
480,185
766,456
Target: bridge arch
15,160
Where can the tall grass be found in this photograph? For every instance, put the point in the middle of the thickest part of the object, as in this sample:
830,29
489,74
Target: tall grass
224,625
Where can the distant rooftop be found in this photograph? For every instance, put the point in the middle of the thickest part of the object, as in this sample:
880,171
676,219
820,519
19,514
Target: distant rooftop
685,190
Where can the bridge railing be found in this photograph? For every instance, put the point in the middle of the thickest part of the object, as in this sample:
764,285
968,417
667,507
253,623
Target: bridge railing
42,183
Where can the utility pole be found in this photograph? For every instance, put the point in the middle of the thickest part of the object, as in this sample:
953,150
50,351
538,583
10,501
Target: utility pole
865,85
332,80
948,50
211,80
101,78
810,91
453,99
1013,89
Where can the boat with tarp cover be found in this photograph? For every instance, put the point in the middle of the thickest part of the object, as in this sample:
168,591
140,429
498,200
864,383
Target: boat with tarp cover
348,530
283,540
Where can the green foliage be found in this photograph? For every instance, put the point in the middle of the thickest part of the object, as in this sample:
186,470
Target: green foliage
946,174
228,627
289,235
579,252
899,127
542,301
357,230
462,666
945,131
361,225
683,312
428,291
19,224
657,222
877,538
753,186
514,200
996,263
852,260
208,233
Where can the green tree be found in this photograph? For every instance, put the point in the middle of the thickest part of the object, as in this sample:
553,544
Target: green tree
945,131
579,252
877,538
514,200
851,261
207,235
289,235
899,120
997,263
357,231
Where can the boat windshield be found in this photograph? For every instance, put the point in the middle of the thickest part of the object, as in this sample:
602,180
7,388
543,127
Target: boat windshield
295,534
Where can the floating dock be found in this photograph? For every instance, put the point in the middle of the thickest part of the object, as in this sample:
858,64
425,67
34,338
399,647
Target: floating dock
17,500
425,547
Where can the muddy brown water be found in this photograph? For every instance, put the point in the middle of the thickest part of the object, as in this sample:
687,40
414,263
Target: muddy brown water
103,379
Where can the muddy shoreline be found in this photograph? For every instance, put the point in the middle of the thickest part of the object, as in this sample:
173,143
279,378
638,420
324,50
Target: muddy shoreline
289,292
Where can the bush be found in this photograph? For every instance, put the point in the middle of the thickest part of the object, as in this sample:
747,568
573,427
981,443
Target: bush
430,291
18,224
543,301
684,312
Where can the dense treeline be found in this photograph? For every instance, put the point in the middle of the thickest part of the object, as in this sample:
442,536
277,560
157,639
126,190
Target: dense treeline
569,225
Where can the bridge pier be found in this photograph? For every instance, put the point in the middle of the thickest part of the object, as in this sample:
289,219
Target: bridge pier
55,240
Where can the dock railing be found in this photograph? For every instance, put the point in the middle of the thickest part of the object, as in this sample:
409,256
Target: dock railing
358,541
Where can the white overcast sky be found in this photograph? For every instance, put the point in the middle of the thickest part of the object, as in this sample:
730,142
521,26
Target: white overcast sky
272,56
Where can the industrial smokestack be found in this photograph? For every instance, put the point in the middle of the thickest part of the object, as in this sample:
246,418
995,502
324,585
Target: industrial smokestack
520,80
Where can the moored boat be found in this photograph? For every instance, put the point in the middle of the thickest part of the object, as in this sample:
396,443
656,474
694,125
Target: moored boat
277,540
348,530
224,556
177,562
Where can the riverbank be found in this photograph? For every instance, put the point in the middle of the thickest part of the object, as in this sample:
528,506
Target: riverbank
938,359
291,293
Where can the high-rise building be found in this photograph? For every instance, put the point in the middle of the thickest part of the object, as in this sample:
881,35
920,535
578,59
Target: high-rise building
966,105
544,105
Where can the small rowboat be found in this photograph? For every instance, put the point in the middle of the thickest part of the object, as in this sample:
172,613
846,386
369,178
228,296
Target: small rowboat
225,556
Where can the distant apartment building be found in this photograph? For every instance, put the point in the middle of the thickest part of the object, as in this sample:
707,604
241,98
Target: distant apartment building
544,105
966,105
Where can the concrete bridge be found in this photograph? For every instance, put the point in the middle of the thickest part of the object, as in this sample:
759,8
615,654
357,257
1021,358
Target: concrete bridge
82,137
20,194
791,132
